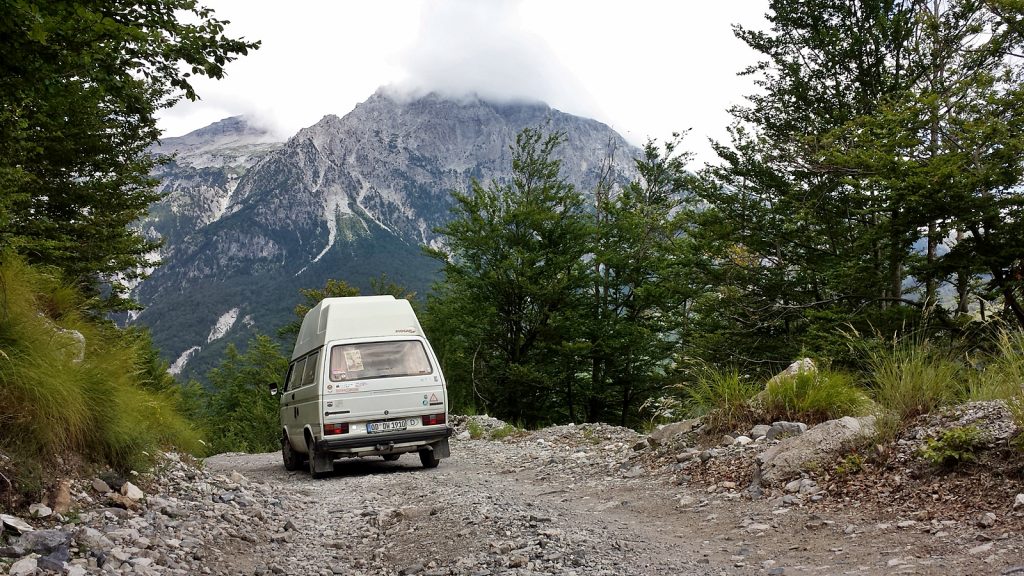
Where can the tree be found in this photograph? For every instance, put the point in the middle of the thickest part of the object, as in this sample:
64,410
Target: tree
514,271
237,411
639,283
951,148
311,297
80,83
812,222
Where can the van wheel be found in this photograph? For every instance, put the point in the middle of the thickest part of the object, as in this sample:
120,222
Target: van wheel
428,460
319,464
292,460
391,457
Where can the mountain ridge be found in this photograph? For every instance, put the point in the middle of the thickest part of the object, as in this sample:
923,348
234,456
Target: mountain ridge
249,221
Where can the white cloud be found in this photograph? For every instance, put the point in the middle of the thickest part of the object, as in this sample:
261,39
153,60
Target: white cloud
646,67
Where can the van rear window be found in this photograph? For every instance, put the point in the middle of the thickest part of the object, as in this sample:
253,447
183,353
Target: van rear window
378,360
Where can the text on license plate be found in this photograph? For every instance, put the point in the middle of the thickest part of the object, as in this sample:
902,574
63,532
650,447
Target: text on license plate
387,426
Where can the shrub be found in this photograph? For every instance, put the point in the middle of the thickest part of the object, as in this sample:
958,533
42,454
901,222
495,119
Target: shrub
814,396
476,431
722,396
237,410
954,447
851,464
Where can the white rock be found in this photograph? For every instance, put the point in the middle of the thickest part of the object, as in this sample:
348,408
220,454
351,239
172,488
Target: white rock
24,567
39,510
131,491
980,549
1018,502
464,435
16,523
742,440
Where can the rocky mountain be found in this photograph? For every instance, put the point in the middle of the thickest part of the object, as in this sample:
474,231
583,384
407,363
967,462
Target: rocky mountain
248,220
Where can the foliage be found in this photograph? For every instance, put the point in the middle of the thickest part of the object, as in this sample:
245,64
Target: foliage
476,431
849,465
953,447
882,131
74,384
311,297
813,397
513,273
722,396
237,411
639,285
80,84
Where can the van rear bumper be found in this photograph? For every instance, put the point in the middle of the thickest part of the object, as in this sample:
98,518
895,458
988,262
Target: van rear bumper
384,440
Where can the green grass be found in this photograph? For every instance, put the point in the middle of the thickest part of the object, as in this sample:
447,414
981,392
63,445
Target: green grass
1001,375
59,398
505,431
911,378
476,431
721,396
813,397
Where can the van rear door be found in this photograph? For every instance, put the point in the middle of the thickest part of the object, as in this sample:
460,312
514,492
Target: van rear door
383,379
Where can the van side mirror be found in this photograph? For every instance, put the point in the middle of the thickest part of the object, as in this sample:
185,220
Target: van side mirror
273,388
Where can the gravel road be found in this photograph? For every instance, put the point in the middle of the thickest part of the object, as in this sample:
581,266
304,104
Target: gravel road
569,500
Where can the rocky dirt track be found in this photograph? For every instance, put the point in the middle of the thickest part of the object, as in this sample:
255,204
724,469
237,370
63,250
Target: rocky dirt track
588,500
569,500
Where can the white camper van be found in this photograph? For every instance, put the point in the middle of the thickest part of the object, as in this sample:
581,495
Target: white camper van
363,381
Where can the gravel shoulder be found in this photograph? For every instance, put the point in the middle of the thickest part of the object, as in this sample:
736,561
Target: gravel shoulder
575,500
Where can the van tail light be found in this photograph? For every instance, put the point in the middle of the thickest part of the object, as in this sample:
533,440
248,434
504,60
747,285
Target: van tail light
433,419
332,429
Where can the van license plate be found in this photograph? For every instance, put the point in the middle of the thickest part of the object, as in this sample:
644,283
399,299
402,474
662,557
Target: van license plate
387,426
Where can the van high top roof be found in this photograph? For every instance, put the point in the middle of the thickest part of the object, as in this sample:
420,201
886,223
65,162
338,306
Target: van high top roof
355,317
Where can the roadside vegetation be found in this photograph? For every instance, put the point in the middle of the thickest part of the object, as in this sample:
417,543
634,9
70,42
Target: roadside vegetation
73,384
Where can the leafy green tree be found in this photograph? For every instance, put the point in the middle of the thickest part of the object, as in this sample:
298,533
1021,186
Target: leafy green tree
639,284
311,297
80,84
514,271
950,148
237,411
800,245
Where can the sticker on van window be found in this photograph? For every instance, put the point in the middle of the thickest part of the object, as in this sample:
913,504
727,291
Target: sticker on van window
354,360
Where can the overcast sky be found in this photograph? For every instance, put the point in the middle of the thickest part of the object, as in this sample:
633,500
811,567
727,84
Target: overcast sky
647,68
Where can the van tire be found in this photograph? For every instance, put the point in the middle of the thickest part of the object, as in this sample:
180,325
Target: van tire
428,460
292,460
319,465
391,457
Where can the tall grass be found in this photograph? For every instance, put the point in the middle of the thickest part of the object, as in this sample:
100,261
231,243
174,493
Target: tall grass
60,396
1001,374
914,377
814,396
721,396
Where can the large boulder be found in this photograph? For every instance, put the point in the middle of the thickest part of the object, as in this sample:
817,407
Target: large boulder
798,367
817,446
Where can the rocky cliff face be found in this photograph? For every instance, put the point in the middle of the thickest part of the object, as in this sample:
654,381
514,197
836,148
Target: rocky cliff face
248,221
